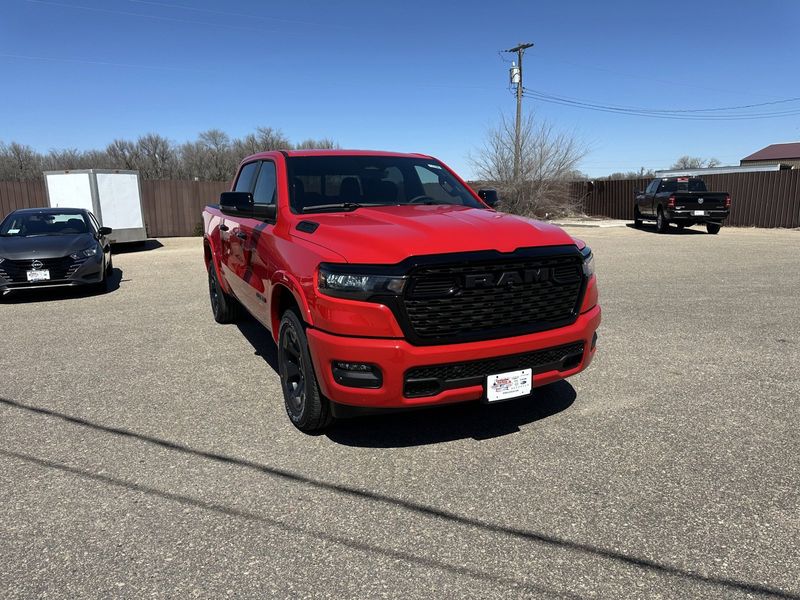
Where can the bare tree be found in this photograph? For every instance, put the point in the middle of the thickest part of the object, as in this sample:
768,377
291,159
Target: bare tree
548,161
320,144
264,139
695,162
212,156
642,173
71,158
157,158
19,162
123,154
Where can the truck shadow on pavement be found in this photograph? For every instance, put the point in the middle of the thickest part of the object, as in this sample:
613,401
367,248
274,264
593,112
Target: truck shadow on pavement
724,584
63,293
423,426
672,230
260,339
448,423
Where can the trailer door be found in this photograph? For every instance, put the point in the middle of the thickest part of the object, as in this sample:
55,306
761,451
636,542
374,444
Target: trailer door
70,190
120,207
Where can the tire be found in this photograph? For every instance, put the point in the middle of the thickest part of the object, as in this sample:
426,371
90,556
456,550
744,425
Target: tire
637,217
662,225
713,228
224,307
109,266
306,407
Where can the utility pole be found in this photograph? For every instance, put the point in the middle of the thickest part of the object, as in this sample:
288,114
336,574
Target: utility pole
516,78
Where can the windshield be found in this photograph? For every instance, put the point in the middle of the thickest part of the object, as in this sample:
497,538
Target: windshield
31,224
322,183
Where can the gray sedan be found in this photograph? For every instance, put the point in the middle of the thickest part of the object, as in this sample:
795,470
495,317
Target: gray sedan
49,247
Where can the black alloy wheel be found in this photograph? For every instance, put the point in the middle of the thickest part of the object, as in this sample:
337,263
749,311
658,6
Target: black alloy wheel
306,407
224,307
661,222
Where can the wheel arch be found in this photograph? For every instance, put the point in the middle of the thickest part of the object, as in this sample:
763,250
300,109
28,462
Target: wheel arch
286,294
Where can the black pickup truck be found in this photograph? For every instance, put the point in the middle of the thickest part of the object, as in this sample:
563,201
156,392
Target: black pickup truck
683,201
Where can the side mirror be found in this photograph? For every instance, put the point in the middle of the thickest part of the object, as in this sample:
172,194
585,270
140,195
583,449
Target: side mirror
104,231
489,196
241,204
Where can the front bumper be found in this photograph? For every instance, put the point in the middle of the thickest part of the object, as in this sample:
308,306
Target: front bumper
87,273
395,356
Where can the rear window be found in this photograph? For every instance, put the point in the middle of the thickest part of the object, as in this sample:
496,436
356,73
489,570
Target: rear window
684,184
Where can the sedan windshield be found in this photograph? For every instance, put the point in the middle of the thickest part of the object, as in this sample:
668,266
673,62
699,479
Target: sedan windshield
345,183
31,224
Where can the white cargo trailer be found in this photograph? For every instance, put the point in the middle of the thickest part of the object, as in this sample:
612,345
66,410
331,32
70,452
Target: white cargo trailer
114,196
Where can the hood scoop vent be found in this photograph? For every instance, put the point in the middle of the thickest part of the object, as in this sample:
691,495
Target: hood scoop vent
307,226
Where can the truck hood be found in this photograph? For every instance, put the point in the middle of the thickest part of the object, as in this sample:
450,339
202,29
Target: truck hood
389,234
43,246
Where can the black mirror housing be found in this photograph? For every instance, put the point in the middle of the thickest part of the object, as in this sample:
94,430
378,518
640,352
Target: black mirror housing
104,231
489,196
241,204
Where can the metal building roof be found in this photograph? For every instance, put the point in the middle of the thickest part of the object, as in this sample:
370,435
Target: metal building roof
787,151
717,170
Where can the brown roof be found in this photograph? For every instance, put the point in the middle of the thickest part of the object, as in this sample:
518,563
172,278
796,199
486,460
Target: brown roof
777,152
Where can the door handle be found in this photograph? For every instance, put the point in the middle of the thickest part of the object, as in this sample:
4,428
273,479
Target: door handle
241,235
223,227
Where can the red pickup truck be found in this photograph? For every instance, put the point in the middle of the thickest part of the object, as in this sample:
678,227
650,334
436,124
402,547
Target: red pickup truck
387,282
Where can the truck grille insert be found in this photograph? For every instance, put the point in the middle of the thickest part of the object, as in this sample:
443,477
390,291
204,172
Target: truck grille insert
473,301
430,380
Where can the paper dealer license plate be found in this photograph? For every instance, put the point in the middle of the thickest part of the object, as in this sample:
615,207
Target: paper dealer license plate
509,385
39,275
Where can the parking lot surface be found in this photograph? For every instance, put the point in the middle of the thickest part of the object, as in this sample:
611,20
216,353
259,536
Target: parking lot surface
144,449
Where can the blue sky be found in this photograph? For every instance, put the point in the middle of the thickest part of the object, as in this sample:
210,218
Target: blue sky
407,76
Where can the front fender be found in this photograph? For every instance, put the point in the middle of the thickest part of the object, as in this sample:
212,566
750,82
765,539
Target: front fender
283,280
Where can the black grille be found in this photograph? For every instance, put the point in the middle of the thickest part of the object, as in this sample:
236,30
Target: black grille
432,379
60,268
471,301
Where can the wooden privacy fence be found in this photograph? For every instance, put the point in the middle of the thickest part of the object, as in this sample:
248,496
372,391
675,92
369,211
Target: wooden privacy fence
768,199
171,208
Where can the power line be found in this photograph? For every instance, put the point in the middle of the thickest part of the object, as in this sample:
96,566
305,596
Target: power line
682,110
675,114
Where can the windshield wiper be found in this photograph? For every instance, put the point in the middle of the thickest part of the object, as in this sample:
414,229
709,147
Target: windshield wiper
345,206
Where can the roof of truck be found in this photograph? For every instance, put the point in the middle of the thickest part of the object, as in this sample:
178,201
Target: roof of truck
338,152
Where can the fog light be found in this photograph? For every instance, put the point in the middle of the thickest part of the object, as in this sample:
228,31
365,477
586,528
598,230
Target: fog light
358,375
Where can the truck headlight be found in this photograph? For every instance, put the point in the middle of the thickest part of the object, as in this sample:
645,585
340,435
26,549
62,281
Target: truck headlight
344,281
588,261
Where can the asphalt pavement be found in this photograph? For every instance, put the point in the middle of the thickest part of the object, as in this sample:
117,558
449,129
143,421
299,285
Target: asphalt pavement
145,452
